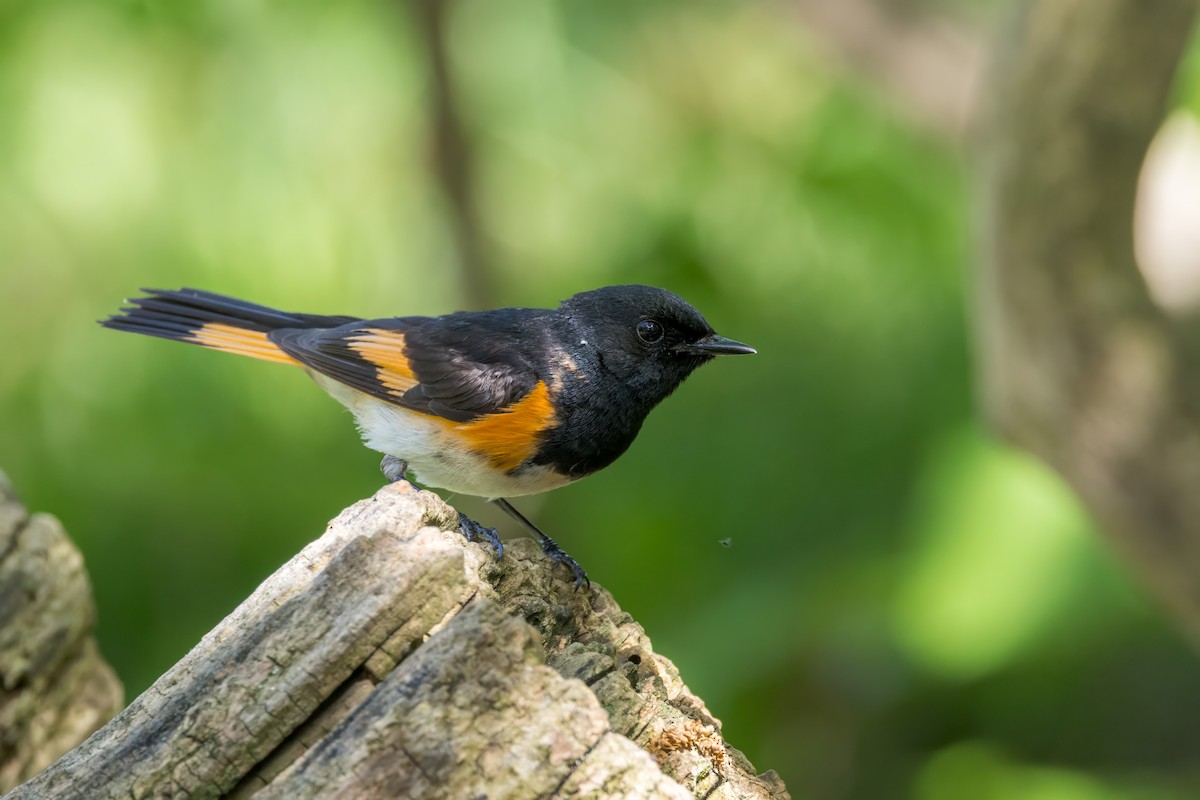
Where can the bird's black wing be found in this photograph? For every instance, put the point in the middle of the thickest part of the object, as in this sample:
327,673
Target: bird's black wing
460,367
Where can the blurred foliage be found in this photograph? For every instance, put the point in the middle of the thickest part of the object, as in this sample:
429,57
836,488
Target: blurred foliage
905,610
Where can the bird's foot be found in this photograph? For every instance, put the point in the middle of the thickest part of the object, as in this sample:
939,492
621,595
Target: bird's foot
559,556
473,530
393,468
549,546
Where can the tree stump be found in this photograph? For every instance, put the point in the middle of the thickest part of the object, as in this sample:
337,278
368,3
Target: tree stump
391,658
55,689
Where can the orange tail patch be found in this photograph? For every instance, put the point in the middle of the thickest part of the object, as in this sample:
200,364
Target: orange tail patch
230,339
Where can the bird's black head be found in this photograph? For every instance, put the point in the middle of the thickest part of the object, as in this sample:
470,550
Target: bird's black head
617,353
647,338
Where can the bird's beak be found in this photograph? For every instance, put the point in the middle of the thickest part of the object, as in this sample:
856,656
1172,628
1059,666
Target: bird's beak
713,345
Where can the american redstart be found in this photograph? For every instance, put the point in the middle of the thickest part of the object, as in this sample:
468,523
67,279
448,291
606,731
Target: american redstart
497,403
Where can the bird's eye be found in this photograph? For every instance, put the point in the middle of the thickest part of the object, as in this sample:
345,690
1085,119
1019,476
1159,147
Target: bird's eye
650,331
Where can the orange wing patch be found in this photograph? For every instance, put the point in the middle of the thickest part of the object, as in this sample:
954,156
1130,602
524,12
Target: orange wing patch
231,339
511,435
384,350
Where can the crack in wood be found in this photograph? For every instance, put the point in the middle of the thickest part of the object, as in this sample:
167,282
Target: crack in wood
575,766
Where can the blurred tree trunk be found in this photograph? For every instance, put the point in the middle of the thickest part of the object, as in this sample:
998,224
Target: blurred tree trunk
928,58
453,156
391,658
55,687
1077,364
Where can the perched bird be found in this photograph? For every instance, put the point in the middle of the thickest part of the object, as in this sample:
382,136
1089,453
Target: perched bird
497,403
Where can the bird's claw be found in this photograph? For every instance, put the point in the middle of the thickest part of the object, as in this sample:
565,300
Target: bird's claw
549,546
473,530
559,556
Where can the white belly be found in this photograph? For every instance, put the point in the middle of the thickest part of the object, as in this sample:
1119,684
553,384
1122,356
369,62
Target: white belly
434,455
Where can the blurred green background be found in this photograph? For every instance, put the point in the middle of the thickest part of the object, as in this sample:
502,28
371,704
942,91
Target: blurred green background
906,609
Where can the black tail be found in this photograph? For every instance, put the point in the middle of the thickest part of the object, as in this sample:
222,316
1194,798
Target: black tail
215,321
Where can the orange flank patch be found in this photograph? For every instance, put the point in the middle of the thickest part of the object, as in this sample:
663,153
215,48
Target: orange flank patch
385,351
510,436
230,339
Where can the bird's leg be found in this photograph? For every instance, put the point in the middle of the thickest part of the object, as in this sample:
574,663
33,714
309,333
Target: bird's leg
393,468
549,546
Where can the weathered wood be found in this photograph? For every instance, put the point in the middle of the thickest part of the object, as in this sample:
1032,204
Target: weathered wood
391,658
55,688
1078,364
397,743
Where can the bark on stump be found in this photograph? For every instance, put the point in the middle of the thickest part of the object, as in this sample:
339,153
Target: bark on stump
390,658
55,689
